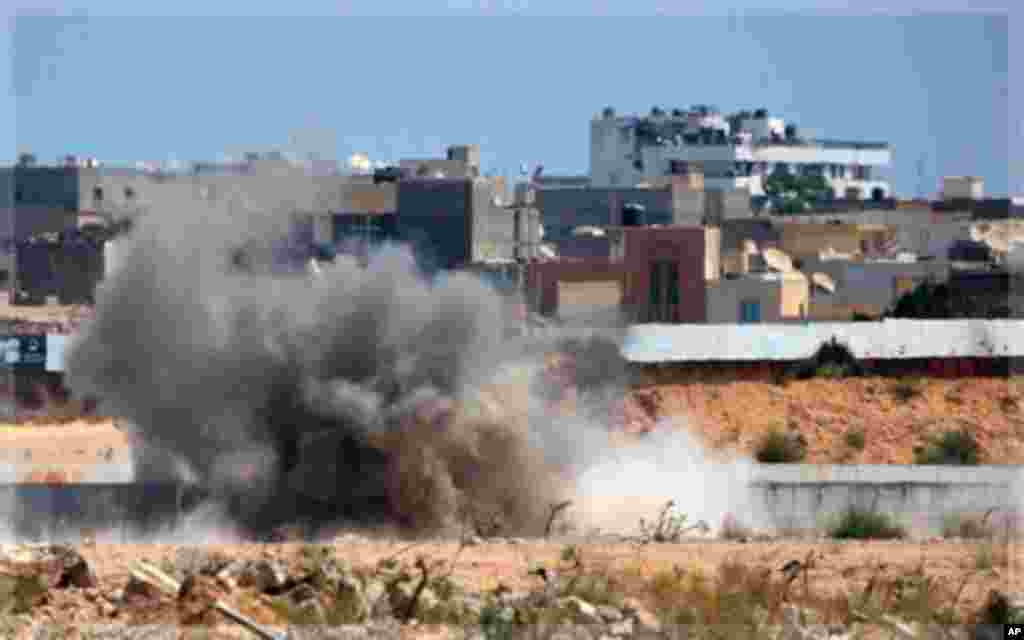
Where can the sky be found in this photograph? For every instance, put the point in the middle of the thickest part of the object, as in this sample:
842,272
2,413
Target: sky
225,78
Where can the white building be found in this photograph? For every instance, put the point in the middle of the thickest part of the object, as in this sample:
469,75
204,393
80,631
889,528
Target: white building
735,152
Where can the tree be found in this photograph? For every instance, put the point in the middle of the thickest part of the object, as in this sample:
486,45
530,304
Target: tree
930,301
797,192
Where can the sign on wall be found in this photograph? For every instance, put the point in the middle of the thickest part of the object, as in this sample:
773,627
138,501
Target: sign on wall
23,351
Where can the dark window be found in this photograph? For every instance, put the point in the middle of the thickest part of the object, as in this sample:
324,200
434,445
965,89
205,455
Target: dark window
129,193
19,195
97,194
664,291
877,194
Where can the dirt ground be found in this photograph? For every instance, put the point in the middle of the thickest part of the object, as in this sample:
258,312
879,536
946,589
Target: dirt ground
840,567
733,416
729,416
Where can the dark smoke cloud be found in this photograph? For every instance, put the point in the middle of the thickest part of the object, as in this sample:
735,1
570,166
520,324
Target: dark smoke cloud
319,401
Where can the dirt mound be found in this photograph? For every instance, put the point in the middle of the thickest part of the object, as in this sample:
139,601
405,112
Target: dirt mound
894,415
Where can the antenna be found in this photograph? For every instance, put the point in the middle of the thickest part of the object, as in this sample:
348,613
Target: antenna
920,176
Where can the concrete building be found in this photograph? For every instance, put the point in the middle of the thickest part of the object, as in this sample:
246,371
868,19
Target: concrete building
963,188
565,210
67,268
757,297
867,287
807,241
655,274
734,153
454,222
742,242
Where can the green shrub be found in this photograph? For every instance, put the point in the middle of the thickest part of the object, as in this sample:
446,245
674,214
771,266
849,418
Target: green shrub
855,439
859,524
780,448
832,371
832,360
952,447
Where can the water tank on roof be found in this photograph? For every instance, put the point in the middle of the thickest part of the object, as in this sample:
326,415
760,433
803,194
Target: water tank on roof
633,215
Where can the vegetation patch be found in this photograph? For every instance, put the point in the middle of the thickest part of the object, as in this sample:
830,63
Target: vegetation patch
779,447
957,447
864,524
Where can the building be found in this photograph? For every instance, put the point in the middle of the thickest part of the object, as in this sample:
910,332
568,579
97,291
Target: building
66,266
453,222
734,153
654,274
755,297
867,287
962,188
566,212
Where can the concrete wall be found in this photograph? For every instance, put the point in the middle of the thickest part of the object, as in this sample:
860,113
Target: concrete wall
920,497
544,279
494,226
65,513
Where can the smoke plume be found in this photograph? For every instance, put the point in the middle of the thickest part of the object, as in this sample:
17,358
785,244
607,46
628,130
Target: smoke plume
358,396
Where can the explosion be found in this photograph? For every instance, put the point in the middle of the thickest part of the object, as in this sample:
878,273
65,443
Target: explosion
358,397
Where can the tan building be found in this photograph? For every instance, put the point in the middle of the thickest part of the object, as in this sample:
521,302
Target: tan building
803,240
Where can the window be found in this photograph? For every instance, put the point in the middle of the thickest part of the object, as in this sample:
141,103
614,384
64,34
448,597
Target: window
750,311
129,193
663,295
97,194
19,195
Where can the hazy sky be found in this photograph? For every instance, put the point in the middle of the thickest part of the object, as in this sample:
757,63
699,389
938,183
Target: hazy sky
125,87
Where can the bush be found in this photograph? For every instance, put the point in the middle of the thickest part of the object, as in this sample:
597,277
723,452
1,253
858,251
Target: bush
858,524
952,447
906,389
781,448
832,360
855,439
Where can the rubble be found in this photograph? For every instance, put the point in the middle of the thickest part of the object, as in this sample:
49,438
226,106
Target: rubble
317,596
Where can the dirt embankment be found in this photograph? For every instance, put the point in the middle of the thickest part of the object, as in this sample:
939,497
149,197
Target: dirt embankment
894,415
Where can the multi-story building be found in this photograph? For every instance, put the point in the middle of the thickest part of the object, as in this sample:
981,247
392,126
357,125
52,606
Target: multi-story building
737,152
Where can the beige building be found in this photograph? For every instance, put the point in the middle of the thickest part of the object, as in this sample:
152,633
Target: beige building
802,240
